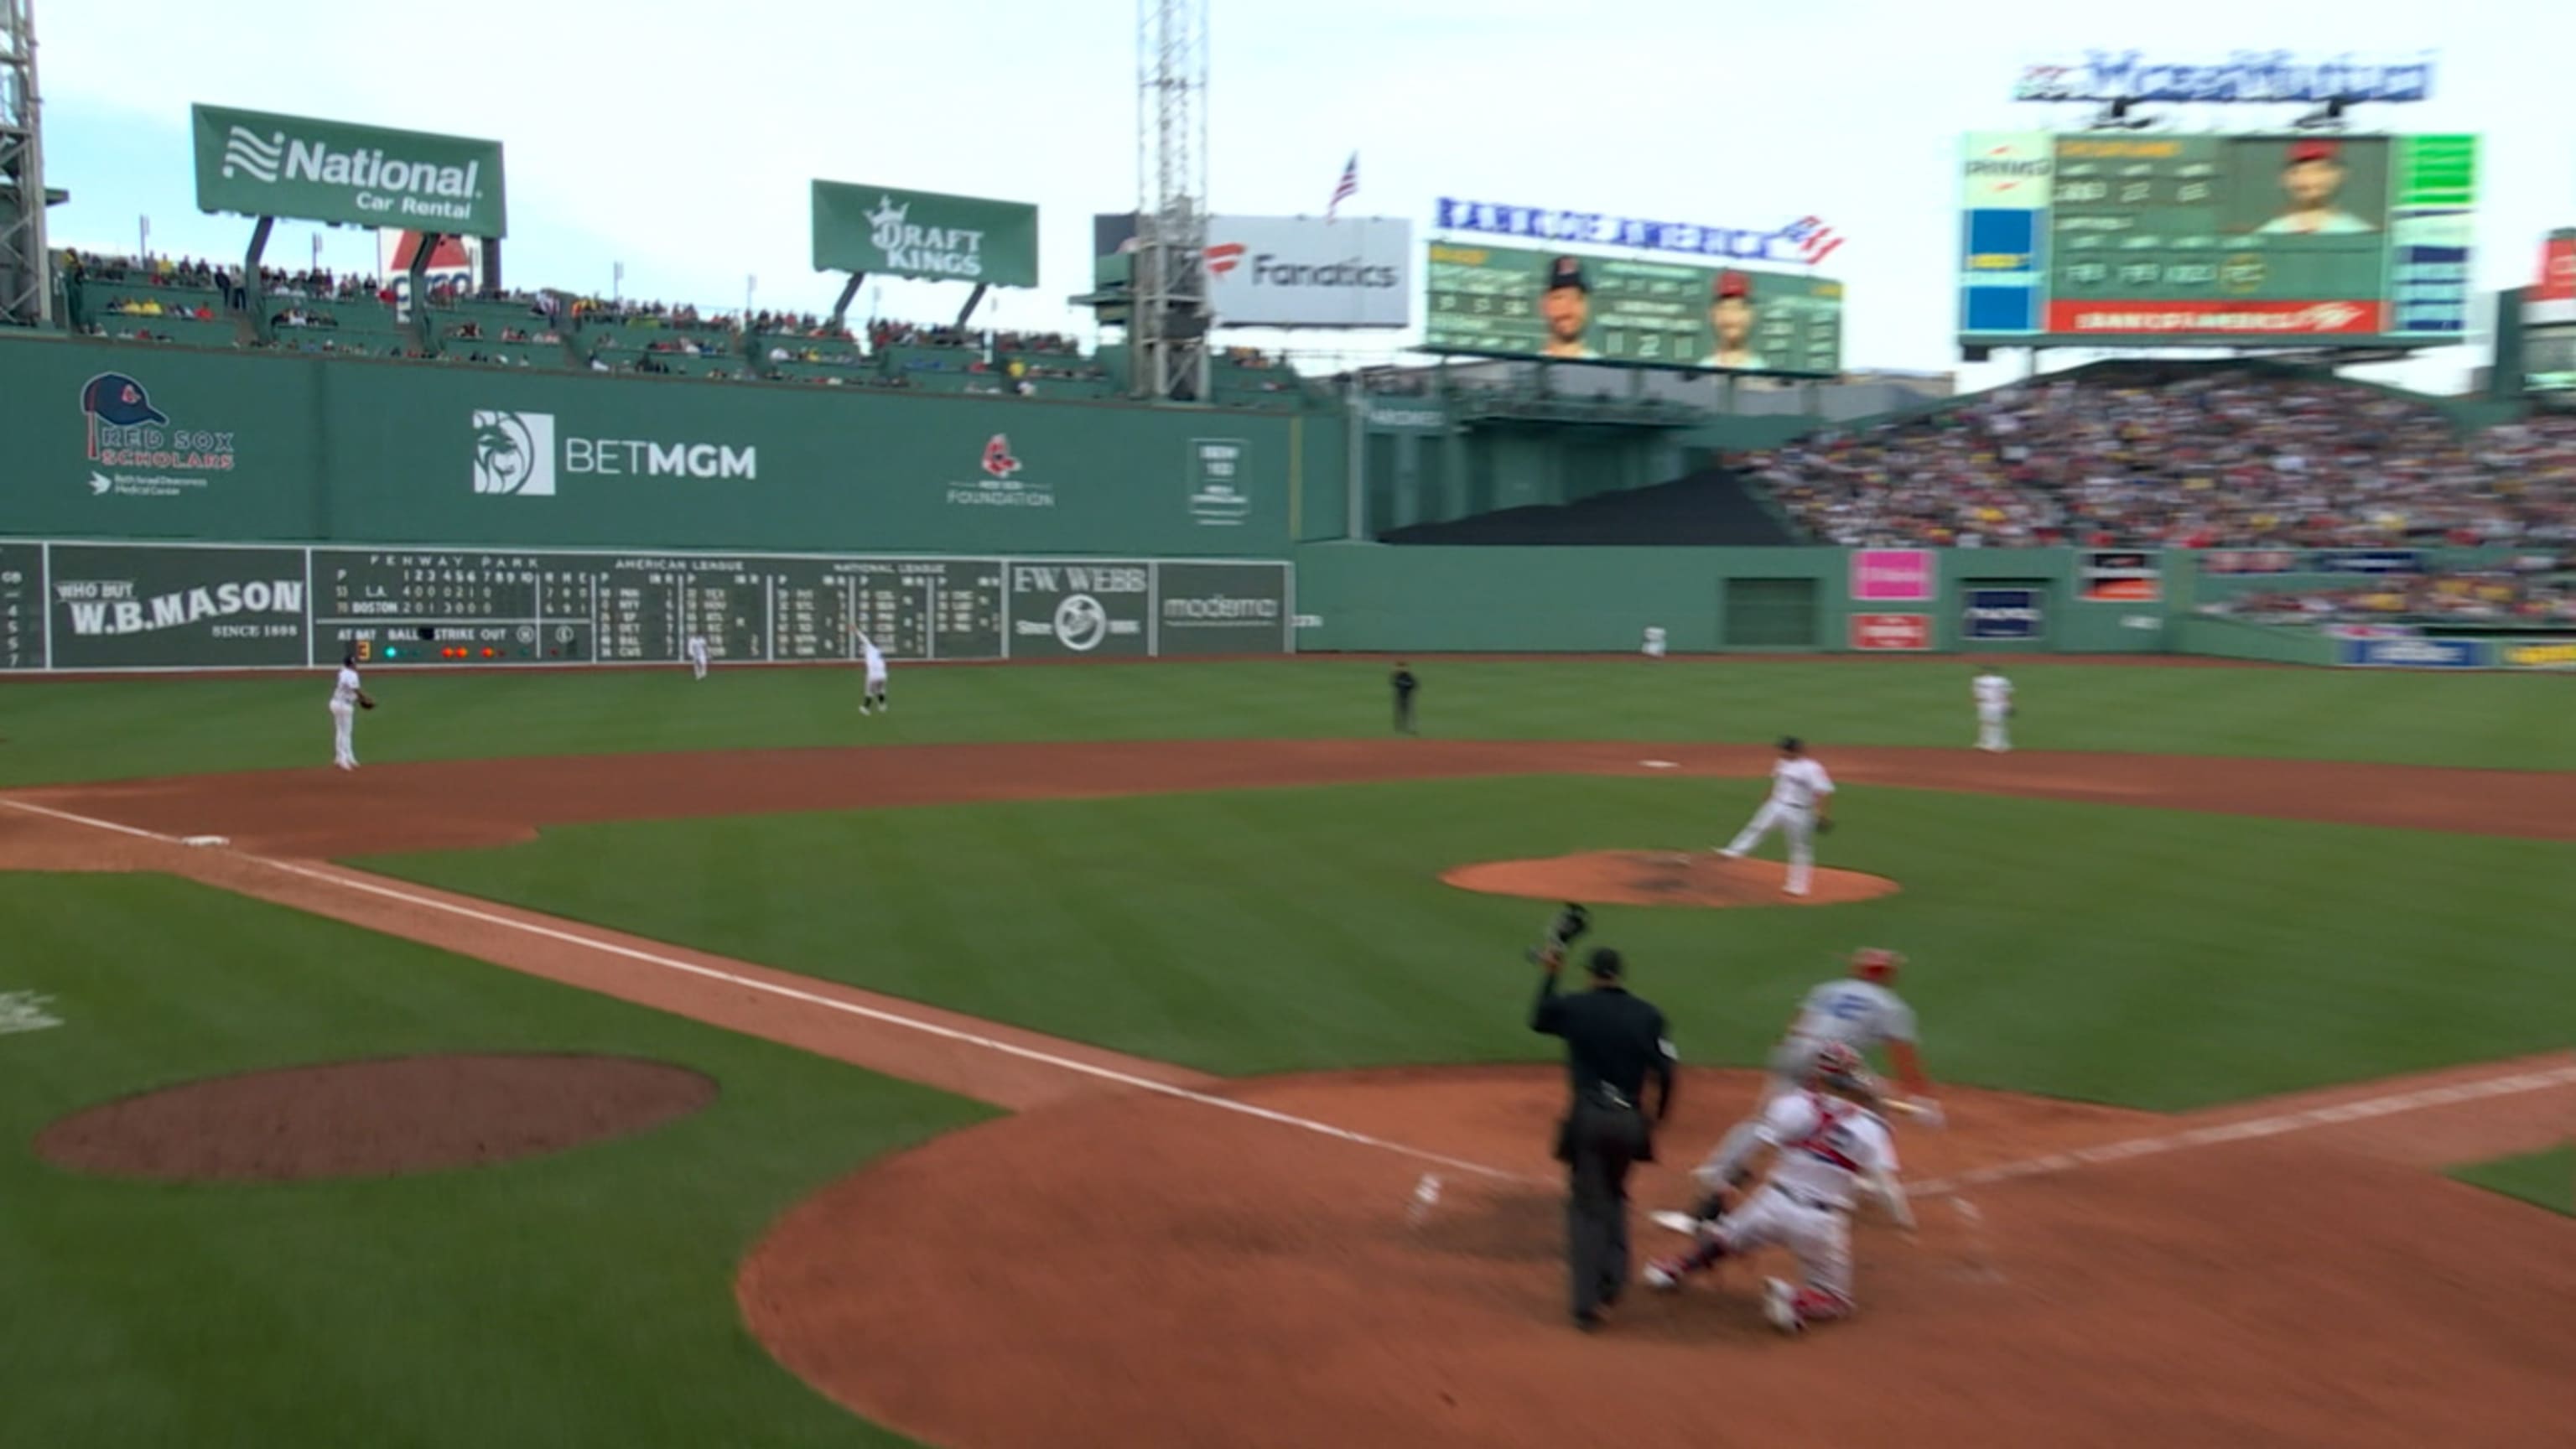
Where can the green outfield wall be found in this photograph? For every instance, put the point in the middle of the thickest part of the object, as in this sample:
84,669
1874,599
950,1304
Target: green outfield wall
136,442
1381,598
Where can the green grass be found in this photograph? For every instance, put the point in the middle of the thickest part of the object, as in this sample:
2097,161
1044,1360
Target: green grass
59,731
2546,1178
2154,958
583,1298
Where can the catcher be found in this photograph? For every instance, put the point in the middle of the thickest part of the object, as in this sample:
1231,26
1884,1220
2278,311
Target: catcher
1827,1147
1861,1012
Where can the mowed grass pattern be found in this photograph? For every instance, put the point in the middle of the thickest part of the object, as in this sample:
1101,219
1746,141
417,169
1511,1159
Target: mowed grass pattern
2153,958
584,1298
60,731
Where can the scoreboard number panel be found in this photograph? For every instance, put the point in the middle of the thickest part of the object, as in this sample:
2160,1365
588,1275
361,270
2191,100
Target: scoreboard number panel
1516,302
22,606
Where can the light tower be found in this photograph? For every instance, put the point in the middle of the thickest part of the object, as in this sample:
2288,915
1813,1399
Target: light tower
26,268
1168,336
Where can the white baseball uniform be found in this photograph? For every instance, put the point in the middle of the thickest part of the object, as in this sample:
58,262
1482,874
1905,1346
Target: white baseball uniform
1994,705
1829,1152
344,719
876,681
698,655
1796,787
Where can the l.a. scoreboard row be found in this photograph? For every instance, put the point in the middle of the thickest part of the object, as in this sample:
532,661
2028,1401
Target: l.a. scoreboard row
78,606
2244,240
1511,302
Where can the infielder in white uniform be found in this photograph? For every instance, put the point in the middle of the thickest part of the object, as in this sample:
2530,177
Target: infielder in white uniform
876,667
1860,1013
698,655
346,700
1801,804
1994,706
1827,1148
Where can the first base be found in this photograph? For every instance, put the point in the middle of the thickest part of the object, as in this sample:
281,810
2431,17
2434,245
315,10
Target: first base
203,840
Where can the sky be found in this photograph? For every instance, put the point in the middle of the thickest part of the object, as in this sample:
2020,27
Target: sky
678,138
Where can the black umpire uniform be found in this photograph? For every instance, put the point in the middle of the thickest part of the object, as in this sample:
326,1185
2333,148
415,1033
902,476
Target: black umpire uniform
1612,1041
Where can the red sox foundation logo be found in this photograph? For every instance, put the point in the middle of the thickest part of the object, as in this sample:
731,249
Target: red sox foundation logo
998,461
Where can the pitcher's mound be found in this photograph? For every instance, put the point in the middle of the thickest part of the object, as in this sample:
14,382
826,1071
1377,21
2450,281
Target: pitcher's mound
373,1118
1663,878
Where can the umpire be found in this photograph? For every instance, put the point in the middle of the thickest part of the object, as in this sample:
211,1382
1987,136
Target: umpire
1612,1040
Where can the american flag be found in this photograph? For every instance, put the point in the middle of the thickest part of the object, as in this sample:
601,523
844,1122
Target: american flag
1815,240
1345,188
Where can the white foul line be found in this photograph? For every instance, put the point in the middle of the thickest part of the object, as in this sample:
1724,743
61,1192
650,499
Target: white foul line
2328,1115
1012,1049
88,821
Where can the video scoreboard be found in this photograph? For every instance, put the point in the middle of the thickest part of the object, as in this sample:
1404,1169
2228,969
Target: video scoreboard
1514,302
2139,239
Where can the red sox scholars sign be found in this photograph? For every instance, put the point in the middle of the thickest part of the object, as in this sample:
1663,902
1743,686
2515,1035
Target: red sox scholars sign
1891,631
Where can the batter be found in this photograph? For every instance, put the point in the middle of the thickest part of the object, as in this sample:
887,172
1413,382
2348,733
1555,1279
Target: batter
1800,806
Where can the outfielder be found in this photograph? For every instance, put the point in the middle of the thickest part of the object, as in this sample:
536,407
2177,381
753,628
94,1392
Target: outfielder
346,700
1857,1013
875,694
1827,1147
698,655
1800,805
1994,706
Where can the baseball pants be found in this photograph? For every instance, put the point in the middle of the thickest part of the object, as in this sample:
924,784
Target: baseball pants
1796,823
1598,1145
1991,732
344,727
1818,1237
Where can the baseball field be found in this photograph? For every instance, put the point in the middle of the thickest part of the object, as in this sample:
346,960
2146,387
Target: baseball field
1096,1056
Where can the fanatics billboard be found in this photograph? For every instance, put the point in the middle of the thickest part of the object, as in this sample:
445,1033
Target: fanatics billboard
1296,271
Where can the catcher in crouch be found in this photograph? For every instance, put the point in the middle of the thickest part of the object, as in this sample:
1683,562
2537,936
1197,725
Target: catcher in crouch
1827,1147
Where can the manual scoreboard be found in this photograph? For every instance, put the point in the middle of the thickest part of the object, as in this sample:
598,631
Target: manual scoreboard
463,606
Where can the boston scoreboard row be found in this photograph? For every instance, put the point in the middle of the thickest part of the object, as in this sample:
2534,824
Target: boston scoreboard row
2143,239
75,606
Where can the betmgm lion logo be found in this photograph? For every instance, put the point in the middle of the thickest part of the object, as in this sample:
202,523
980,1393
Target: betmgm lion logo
514,453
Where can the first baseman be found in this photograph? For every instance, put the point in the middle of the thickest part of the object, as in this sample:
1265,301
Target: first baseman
1827,1147
347,698
1800,804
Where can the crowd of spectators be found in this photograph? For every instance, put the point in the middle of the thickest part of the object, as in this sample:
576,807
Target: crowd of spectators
2197,459
2481,598
882,335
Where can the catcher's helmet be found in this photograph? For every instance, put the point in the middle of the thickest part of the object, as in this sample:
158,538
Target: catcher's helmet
1838,1068
1871,963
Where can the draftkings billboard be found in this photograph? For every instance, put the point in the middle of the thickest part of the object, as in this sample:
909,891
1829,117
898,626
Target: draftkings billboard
2145,240
254,163
886,232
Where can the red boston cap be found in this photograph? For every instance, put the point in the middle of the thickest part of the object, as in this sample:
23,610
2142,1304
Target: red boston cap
1733,284
2312,149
